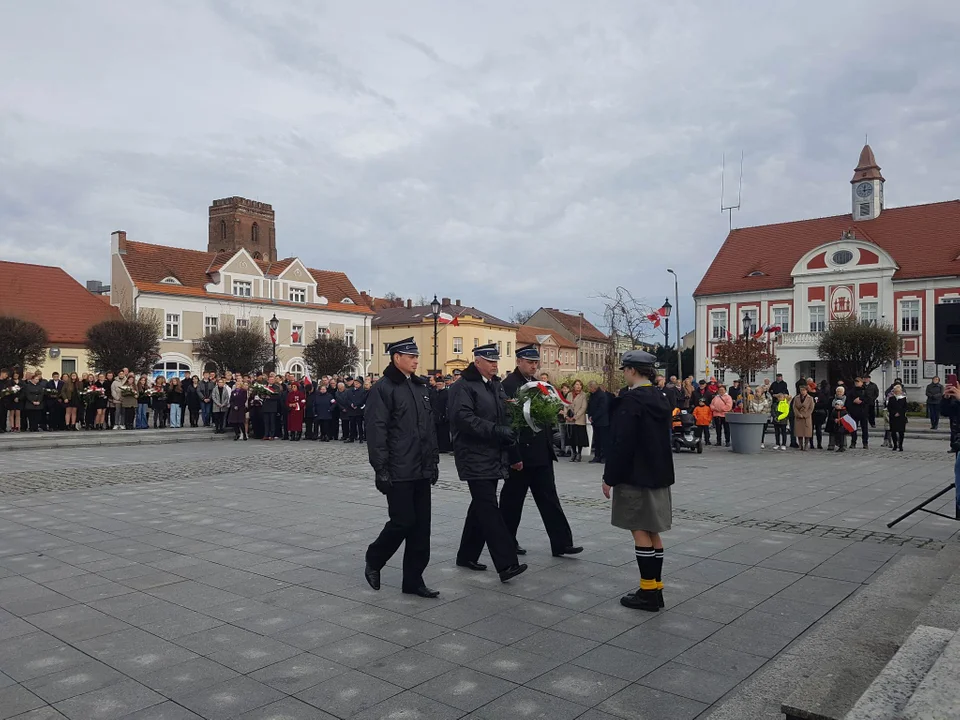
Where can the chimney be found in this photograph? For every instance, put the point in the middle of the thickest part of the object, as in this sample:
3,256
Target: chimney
409,303
445,302
118,243
94,286
457,301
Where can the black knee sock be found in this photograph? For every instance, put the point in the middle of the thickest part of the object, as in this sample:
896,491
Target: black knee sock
647,563
658,558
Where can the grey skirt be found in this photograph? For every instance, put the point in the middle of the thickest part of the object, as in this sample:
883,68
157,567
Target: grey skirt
639,508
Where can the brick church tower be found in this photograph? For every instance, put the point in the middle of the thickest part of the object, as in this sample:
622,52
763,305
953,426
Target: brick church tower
236,222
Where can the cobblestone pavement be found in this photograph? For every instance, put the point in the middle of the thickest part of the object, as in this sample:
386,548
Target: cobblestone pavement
223,580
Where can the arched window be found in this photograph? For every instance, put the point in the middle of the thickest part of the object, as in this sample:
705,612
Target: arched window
297,370
170,369
255,233
257,256
223,229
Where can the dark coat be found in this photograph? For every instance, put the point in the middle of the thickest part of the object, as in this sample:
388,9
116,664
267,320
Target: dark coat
193,397
359,400
271,403
33,395
401,438
598,408
897,413
871,392
322,403
344,399
639,449
779,387
438,401
857,410
238,407
205,389
535,449
475,409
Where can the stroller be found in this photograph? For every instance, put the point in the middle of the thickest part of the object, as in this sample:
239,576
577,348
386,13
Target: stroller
685,436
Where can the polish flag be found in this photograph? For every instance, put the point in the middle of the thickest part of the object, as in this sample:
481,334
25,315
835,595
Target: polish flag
295,336
773,328
760,332
447,319
654,317
849,424
273,336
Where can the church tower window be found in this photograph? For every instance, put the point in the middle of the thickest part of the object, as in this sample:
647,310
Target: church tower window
223,229
255,233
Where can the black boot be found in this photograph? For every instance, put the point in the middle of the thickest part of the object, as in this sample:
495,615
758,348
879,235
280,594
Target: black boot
648,600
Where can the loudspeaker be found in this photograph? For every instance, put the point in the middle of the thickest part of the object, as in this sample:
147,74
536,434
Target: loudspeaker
946,339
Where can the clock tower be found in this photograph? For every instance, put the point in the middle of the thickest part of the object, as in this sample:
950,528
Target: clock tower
867,187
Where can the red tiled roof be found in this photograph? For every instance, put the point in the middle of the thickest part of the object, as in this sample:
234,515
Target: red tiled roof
52,299
924,240
578,326
149,264
393,316
527,335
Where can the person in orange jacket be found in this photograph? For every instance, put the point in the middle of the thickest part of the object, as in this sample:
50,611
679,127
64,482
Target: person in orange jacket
704,416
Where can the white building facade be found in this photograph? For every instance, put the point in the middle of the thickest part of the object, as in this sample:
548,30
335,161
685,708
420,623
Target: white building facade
889,266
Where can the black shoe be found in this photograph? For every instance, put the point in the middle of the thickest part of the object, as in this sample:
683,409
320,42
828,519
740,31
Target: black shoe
512,572
372,576
727,444
660,598
471,565
595,460
573,457
424,592
642,600
569,550
520,550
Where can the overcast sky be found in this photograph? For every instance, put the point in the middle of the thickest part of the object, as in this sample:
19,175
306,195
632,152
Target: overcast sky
506,153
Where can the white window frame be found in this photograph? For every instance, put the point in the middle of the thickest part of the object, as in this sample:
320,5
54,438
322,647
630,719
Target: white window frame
910,323
872,317
784,324
211,323
297,369
242,288
910,369
822,312
242,323
298,295
458,346
293,329
952,300
719,323
349,337
172,326
508,348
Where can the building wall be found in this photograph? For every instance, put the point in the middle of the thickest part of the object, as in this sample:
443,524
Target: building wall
471,332
591,355
74,355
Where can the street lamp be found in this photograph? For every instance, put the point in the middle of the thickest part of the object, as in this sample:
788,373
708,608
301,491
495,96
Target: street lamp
274,324
746,324
676,296
435,306
665,312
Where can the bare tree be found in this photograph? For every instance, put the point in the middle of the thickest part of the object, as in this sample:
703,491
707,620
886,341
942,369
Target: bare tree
330,355
240,350
391,296
521,317
22,343
128,342
626,316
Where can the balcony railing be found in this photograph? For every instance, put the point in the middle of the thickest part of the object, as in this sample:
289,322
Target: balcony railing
800,339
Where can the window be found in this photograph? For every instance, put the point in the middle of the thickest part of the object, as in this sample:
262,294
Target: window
348,337
68,365
257,256
476,342
750,326
864,209
910,372
223,229
386,348
170,369
255,233
842,257
298,295
818,318
499,347
508,348
720,374
242,288
909,316
210,324
458,346
781,317
243,323
868,313
949,300
297,370
718,324
172,328
296,335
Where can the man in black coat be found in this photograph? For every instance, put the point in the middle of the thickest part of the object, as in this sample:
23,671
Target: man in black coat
402,447
357,402
779,386
598,410
343,397
872,393
534,471
858,408
438,400
482,439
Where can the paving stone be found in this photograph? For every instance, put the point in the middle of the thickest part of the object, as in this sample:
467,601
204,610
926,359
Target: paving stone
465,688
458,647
555,645
349,694
76,680
287,709
409,704
135,652
298,673
230,698
619,662
357,650
163,711
15,700
502,628
658,644
407,668
514,664
690,682
577,684
238,649
721,659
638,702
114,701
321,632
525,702
187,677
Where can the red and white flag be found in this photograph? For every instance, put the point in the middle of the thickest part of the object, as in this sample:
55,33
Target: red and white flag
447,319
654,317
273,336
295,337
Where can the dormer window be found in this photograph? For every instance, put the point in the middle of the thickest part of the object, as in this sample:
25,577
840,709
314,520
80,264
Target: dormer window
171,280
756,273
347,301
298,295
242,288
841,257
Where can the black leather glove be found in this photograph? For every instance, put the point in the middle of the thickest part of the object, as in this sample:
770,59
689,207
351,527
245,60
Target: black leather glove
506,434
435,475
383,482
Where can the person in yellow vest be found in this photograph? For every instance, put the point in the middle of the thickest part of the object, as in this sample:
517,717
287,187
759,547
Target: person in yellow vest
781,420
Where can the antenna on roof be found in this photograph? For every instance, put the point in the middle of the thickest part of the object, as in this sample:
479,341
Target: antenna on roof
730,208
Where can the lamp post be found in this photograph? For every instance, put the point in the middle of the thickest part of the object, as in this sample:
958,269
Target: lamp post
435,306
746,325
274,324
665,312
676,299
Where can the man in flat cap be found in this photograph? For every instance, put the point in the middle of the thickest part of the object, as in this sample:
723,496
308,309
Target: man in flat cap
402,447
482,437
532,468
639,470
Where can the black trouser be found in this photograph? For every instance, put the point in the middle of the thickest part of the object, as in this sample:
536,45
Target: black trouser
780,433
408,504
443,437
129,414
218,418
896,436
345,427
328,429
281,424
111,416
864,429
793,435
356,428
485,523
269,424
34,415
818,421
239,428
703,431
933,412
543,487
720,425
311,424
256,421
56,412
194,416
600,433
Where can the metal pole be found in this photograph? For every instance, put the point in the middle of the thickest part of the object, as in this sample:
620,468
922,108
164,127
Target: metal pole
676,295
435,342
274,355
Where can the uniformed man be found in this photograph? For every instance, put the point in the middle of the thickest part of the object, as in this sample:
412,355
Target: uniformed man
482,437
438,399
639,470
402,446
532,468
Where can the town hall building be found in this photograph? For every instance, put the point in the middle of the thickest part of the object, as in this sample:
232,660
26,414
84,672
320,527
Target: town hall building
882,265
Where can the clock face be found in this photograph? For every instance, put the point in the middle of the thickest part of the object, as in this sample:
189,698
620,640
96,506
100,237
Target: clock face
864,189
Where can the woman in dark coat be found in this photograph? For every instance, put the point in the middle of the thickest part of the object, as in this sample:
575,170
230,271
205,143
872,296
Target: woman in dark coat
309,411
295,403
271,406
323,402
237,417
192,392
160,403
897,416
